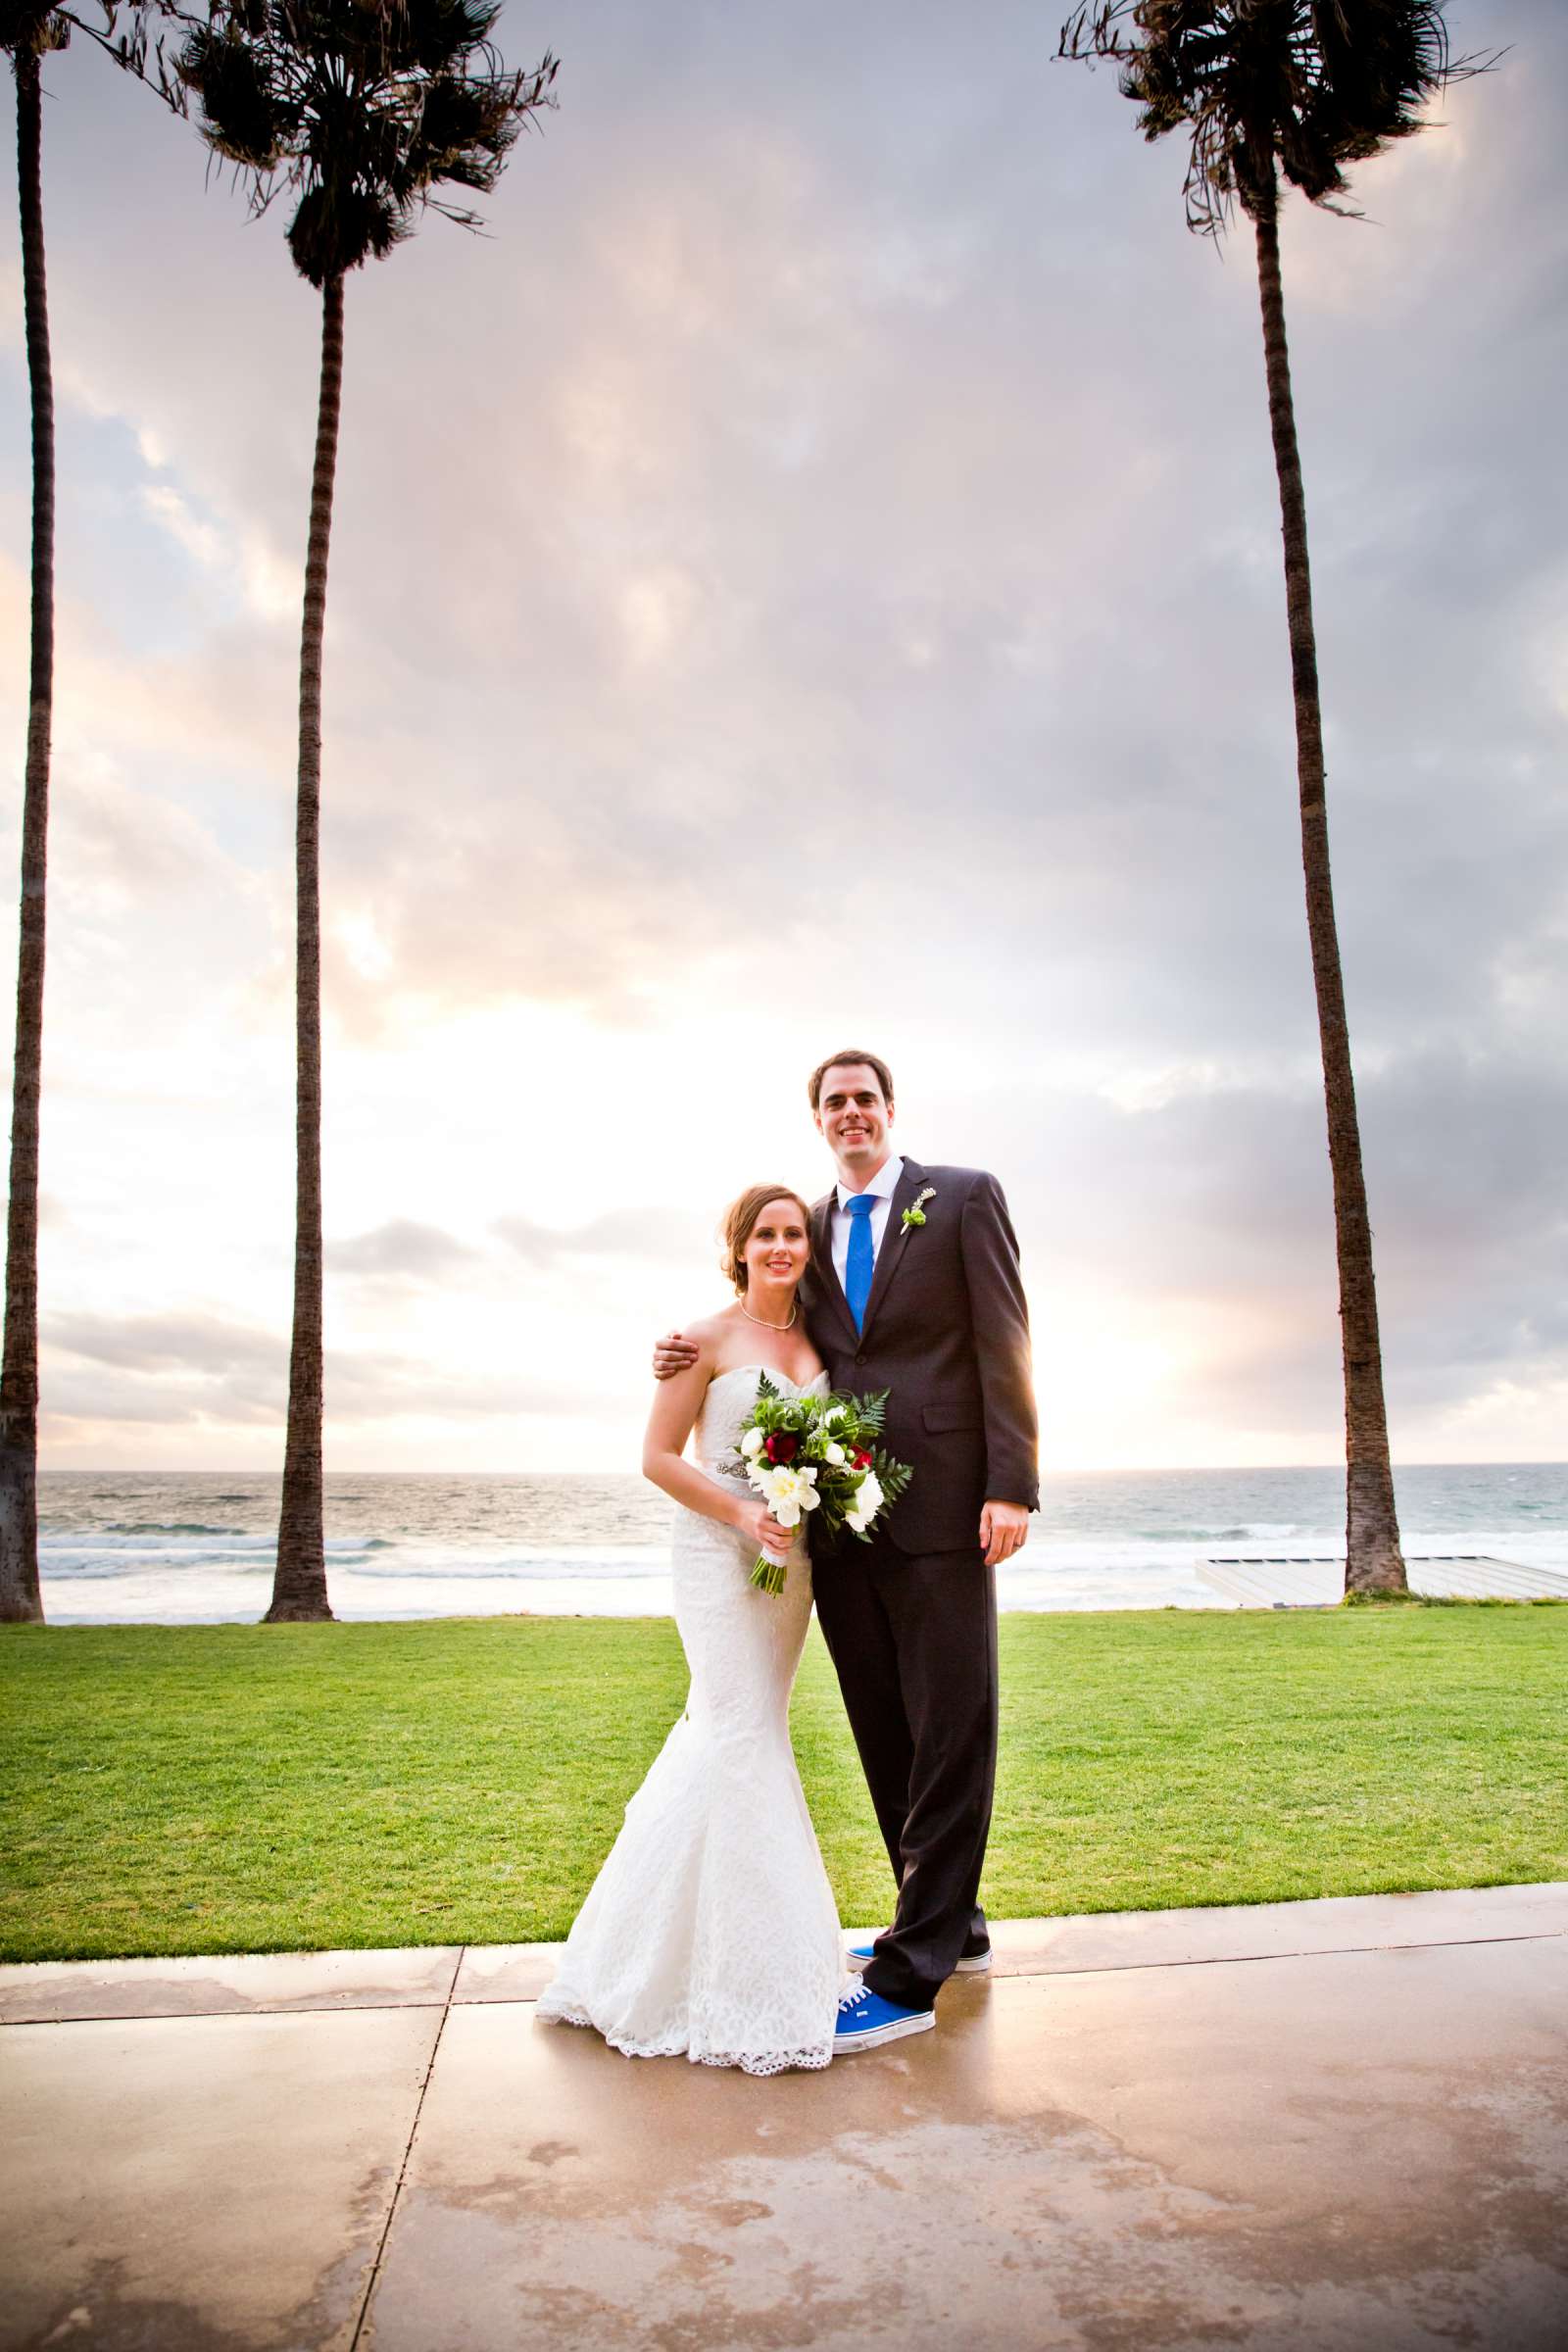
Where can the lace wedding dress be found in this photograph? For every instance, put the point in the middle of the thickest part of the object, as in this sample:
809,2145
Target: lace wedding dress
712,1928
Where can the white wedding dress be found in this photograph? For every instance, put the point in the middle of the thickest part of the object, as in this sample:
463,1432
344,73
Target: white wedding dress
712,1928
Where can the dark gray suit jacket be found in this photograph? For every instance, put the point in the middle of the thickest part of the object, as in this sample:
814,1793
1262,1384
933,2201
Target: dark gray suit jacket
947,1334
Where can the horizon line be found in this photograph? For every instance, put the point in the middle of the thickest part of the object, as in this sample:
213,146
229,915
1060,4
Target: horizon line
1088,1470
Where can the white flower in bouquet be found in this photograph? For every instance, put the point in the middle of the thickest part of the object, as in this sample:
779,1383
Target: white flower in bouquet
790,1493
867,1502
752,1444
834,1455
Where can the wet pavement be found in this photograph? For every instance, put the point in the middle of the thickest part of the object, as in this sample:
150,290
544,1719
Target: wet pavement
1307,2127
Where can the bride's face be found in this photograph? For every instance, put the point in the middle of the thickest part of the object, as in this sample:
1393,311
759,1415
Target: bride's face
778,1244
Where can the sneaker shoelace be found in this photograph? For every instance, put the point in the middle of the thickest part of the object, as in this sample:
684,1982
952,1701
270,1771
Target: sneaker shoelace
851,1998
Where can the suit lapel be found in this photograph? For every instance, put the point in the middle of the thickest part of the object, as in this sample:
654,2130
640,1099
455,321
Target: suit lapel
894,1241
828,1283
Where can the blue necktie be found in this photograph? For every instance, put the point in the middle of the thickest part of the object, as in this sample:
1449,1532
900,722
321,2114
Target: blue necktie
857,1267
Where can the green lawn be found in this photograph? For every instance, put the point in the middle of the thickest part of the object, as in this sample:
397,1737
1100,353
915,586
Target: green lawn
237,1787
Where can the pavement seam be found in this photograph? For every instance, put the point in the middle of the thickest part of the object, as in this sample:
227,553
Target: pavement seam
1336,1951
413,2126
144,2017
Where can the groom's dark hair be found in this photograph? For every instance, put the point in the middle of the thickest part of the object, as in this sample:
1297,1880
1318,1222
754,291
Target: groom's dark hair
872,1062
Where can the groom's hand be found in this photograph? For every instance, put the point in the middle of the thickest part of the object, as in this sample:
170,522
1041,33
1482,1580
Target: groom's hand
672,1355
1004,1529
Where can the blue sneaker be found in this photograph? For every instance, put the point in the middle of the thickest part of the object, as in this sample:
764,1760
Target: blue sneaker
866,2021
973,1964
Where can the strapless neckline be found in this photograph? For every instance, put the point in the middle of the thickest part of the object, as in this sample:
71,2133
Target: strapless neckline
800,1390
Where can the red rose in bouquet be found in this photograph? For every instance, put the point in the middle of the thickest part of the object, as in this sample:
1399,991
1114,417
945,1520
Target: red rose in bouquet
782,1446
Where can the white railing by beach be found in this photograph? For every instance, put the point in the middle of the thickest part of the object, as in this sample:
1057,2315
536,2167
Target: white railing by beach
1309,1580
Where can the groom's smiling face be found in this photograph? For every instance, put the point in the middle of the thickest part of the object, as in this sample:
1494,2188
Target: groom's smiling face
853,1116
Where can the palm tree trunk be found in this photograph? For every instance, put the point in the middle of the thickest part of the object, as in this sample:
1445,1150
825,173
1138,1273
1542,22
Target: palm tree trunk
299,1588
20,1597
1374,1563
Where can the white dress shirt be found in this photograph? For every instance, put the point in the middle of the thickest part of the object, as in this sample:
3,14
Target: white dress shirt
882,1184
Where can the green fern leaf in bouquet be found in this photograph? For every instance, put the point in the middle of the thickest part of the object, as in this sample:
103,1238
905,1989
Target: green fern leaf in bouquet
893,1477
871,1411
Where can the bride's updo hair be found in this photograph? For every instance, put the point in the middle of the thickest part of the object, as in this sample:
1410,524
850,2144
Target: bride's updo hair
739,1223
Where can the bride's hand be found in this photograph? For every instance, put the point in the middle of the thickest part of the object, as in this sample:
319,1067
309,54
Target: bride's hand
759,1526
672,1355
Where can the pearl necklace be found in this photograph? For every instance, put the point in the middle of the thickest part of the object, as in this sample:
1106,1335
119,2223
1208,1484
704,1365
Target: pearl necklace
795,1308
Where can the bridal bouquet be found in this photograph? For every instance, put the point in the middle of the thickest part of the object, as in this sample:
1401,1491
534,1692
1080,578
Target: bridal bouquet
817,1453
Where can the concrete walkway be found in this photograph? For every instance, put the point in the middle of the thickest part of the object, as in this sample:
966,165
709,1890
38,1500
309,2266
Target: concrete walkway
1307,2127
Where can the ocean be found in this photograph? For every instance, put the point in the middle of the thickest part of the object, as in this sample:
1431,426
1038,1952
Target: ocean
121,1547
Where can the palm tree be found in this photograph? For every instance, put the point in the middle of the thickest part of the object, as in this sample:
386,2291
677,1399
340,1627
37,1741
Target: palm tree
364,112
28,33
1298,87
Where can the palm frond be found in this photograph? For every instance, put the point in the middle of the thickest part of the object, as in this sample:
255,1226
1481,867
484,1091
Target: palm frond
362,110
33,32
1271,89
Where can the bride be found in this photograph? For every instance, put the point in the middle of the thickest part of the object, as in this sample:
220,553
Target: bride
712,1928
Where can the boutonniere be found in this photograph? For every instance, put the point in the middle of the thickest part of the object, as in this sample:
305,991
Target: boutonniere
914,1214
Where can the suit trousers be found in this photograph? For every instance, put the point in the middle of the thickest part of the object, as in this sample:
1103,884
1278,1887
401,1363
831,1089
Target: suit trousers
913,1640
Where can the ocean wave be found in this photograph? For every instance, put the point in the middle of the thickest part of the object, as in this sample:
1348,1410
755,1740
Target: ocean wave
168,1527
1205,1535
147,1546
1274,1531
78,1557
1250,1532
524,1567
122,1572
183,1545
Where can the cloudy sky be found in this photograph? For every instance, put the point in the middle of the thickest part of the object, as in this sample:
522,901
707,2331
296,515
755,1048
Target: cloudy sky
809,576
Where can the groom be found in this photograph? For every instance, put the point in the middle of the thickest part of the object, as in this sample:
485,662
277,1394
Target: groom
914,1287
